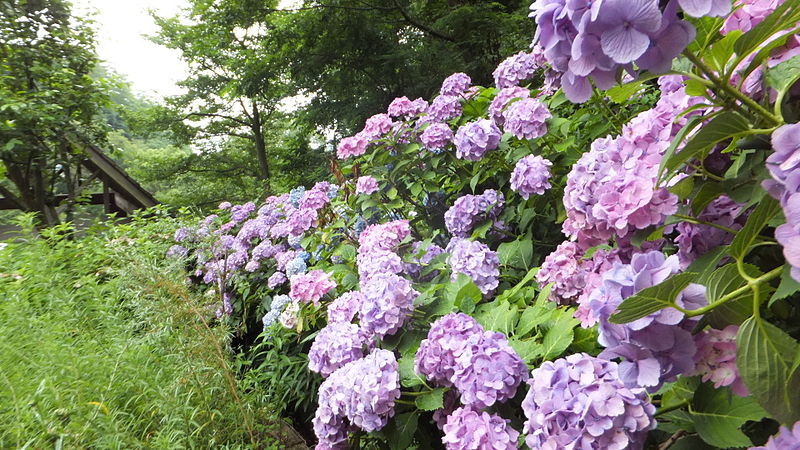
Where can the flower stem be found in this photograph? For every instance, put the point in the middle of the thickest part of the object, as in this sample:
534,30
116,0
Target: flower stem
667,409
752,283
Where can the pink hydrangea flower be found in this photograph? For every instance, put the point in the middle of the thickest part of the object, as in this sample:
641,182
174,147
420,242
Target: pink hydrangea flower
366,185
311,286
352,146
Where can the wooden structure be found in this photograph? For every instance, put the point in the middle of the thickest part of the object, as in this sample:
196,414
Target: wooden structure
121,194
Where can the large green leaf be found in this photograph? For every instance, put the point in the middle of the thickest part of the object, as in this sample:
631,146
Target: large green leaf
766,359
516,254
408,376
725,126
766,210
787,287
652,299
498,315
784,75
718,415
786,14
400,430
722,282
529,350
559,334
430,401
463,293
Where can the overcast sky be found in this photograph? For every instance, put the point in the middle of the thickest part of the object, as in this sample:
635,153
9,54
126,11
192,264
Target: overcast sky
121,25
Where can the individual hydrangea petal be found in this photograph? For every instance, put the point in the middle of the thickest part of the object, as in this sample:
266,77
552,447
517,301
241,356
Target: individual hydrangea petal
580,402
467,429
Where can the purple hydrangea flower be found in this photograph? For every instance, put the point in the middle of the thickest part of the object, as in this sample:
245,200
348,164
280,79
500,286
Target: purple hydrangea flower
377,126
181,234
240,212
224,205
784,166
474,139
436,136
276,279
377,261
311,286
336,345
446,341
467,429
352,146
252,266
531,175
469,210
502,99
345,307
366,185
526,119
786,439
565,269
384,236
695,240
300,220
749,14
656,348
444,108
517,68
402,106
388,302
456,84
715,359
702,8
314,198
177,251
580,402
414,267
475,260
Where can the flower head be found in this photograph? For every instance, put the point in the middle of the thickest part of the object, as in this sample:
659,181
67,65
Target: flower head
474,139
366,185
336,345
475,260
467,429
531,175
311,286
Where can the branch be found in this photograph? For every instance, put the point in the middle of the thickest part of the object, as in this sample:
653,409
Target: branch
222,116
12,197
421,26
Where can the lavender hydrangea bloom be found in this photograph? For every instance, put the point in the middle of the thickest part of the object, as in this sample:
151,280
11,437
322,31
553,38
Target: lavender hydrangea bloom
241,212
702,8
276,279
475,260
786,439
749,14
526,119
352,146
517,68
345,307
336,345
447,339
695,240
715,359
784,166
224,205
656,348
444,108
402,106
436,136
377,261
468,210
181,234
565,269
467,429
388,302
360,394
414,267
301,220
377,126
474,139
177,251
502,99
366,185
531,175
488,370
580,402
314,199
265,249
456,84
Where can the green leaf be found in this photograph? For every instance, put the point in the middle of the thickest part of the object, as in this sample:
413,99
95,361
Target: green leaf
786,14
705,265
400,431
431,401
528,349
784,75
652,299
723,281
765,356
498,315
718,414
708,193
532,317
559,335
683,188
721,51
765,211
624,92
517,254
787,287
724,126
474,182
691,442
463,293
408,377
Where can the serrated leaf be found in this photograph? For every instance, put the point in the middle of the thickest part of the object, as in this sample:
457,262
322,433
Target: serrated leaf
724,126
532,317
498,316
718,414
559,334
623,93
463,293
723,281
528,349
721,51
766,210
707,194
652,299
400,431
408,377
431,401
766,357
787,287
517,254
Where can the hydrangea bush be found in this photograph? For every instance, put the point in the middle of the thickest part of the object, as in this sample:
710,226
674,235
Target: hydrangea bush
602,250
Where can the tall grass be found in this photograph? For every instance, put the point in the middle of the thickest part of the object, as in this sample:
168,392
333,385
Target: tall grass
102,345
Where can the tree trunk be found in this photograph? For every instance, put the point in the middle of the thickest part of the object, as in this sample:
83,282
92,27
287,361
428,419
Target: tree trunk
261,148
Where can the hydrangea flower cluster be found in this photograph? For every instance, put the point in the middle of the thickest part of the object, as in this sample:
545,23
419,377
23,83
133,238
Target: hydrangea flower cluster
786,439
715,359
580,402
388,302
479,364
414,268
288,317
475,260
336,345
403,107
469,429
694,240
276,279
444,108
502,100
456,84
531,176
436,136
275,310
656,348
311,286
352,146
784,166
360,394
474,139
469,210
748,14
526,119
593,41
517,68
345,307
366,185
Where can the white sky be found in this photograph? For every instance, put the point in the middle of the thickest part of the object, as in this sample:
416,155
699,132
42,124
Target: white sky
121,25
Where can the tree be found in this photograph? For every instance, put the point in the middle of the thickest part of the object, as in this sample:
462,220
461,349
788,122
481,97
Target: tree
46,91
